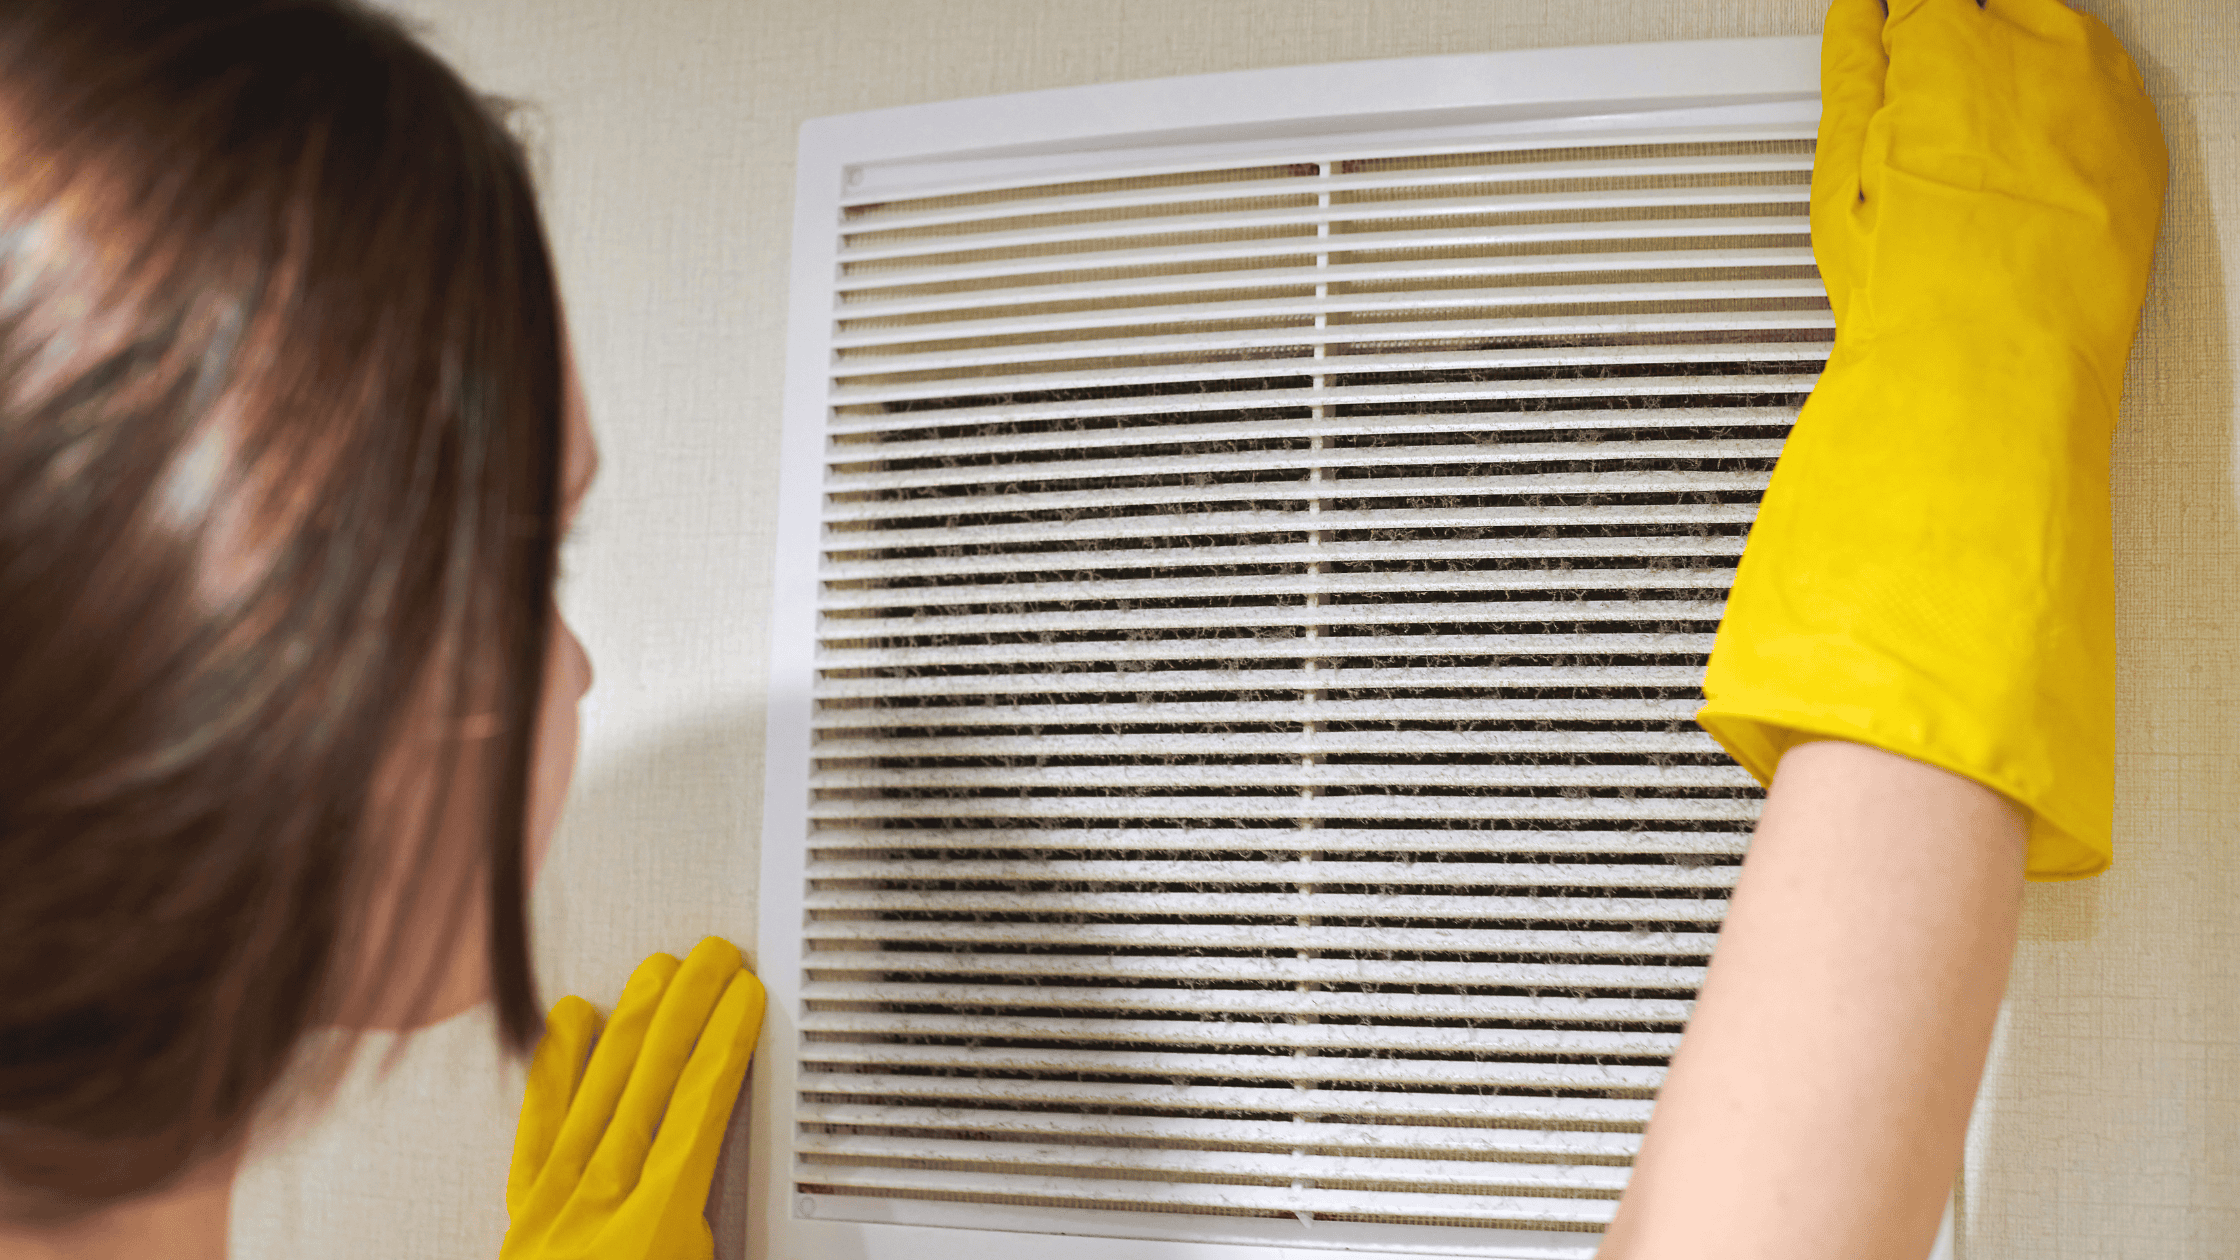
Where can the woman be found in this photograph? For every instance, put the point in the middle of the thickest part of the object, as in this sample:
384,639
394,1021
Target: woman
287,445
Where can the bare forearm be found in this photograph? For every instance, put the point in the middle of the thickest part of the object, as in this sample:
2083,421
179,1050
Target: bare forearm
1819,1101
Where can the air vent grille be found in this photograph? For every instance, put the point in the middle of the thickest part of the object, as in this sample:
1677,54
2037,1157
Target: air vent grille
1261,614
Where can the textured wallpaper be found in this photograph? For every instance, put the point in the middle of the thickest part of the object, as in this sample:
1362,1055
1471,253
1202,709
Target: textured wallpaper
2111,1124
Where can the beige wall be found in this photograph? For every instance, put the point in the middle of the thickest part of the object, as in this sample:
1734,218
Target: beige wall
2115,1129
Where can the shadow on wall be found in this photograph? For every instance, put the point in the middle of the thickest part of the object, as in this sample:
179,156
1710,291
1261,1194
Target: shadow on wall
657,849
2110,1115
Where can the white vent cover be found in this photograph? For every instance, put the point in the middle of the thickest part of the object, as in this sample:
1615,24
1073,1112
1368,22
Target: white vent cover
1245,788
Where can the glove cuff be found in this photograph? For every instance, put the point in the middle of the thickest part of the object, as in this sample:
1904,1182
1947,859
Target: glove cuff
1930,573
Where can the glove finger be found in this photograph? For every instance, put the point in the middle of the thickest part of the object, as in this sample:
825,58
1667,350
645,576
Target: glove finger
1852,66
682,1162
608,1072
554,1073
1948,62
615,1167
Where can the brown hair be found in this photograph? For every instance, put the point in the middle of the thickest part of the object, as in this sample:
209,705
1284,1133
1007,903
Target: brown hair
280,428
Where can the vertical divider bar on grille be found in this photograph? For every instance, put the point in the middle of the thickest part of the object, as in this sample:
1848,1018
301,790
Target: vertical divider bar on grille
1261,615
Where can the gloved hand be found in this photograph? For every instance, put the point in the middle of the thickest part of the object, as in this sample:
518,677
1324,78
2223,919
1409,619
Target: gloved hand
613,1158
1930,571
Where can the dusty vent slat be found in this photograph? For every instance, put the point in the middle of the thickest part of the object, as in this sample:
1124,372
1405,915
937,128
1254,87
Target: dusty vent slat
1463,1070
1431,1110
1294,360
1120,934
1226,903
1151,651
1384,1002
1033,252
1490,215
1176,1195
1365,561
1487,1177
984,1028
967,357
1679,847
1367,807
1260,616
1258,1136
1312,774
1069,970
1367,412
1024,459
1210,557
1456,481
960,289
1350,182
1106,956
1235,298
1471,875
1276,588
1217,526
1290,744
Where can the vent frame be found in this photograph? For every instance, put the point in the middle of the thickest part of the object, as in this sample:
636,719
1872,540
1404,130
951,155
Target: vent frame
1748,89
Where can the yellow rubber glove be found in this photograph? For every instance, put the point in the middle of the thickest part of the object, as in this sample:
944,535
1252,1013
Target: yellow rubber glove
613,1157
1930,571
